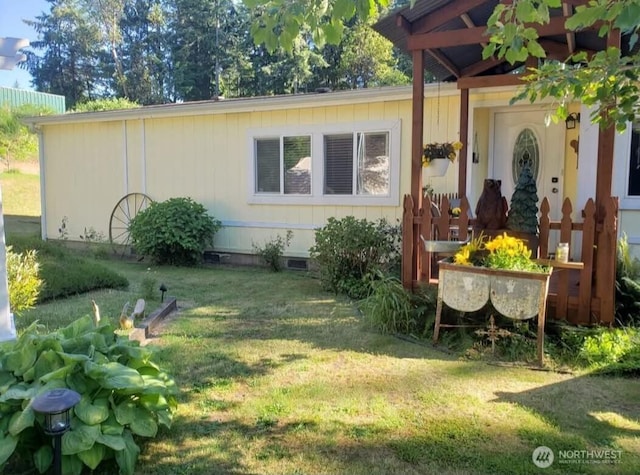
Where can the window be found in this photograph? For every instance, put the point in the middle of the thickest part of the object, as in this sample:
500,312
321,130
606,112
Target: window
283,165
369,164
634,162
339,164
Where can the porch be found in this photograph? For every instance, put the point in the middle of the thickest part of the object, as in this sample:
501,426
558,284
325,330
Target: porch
447,39
580,296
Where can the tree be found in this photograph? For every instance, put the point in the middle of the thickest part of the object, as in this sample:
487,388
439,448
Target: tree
71,58
279,22
367,59
608,80
107,16
144,52
105,105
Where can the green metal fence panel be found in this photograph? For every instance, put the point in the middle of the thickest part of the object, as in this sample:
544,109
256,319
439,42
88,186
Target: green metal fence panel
16,97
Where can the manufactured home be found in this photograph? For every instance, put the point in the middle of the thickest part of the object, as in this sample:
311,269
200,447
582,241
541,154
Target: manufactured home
266,165
271,164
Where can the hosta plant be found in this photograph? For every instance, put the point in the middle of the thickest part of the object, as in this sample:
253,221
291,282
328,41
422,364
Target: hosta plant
125,395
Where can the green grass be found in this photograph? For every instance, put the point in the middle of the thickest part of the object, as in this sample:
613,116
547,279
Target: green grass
278,377
20,194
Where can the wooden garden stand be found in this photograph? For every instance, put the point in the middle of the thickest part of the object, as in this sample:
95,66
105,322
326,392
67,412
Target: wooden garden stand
514,294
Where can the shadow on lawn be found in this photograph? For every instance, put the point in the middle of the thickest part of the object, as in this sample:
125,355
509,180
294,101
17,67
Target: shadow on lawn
328,323
595,409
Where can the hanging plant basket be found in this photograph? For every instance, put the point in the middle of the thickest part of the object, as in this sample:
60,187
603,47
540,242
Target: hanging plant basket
436,167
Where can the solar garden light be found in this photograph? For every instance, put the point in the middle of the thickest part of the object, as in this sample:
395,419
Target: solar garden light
56,406
163,289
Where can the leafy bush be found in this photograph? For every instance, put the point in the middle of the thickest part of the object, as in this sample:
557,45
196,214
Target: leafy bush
392,309
64,273
124,395
608,345
627,285
175,231
23,278
74,275
272,251
109,104
349,249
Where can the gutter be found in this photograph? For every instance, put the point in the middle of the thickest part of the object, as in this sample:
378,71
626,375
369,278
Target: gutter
247,105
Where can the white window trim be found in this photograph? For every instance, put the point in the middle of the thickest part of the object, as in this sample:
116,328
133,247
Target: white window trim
317,159
620,184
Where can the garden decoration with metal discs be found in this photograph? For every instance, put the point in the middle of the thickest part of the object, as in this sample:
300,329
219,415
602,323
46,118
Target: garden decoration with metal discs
499,270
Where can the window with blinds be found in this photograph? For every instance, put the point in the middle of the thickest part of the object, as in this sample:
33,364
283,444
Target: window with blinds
325,164
356,164
283,165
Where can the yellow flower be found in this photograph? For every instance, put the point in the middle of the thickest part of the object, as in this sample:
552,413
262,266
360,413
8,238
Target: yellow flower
501,252
435,150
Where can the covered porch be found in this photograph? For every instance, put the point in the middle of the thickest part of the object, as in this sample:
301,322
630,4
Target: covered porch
446,39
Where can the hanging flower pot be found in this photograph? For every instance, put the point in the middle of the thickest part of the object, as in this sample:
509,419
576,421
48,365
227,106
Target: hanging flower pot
436,167
436,157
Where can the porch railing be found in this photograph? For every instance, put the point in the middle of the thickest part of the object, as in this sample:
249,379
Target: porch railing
586,296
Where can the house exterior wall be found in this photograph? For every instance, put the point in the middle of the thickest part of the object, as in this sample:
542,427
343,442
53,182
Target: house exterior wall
88,167
629,224
90,161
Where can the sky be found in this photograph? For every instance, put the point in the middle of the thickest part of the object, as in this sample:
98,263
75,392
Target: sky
11,25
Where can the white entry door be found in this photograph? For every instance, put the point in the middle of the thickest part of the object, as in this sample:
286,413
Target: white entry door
521,138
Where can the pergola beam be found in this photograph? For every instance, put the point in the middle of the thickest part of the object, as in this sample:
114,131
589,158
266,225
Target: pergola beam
477,35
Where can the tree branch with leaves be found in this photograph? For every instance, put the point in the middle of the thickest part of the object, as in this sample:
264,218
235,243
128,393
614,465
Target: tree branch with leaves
607,81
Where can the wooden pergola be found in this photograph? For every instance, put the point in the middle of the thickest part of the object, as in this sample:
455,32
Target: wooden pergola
446,37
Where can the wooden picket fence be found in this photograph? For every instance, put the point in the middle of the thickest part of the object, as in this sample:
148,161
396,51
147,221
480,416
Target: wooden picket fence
585,296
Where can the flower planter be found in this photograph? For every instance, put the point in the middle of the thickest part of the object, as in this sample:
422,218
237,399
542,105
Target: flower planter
436,167
514,294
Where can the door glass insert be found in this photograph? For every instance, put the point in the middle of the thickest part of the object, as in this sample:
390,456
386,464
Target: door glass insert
526,152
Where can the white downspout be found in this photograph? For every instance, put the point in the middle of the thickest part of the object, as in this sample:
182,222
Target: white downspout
43,188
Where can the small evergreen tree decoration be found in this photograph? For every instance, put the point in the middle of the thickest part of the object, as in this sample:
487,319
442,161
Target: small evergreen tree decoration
523,214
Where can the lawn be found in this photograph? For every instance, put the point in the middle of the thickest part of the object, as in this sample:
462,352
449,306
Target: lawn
279,377
20,194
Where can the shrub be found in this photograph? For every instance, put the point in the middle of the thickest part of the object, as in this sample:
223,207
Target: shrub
63,273
349,249
23,278
627,285
73,275
391,309
271,251
175,231
125,395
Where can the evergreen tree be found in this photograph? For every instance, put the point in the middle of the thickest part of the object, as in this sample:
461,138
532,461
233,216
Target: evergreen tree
523,213
70,64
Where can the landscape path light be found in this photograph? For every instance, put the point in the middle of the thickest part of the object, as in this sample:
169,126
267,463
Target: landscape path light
56,406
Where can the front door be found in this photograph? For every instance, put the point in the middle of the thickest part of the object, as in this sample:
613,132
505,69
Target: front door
520,138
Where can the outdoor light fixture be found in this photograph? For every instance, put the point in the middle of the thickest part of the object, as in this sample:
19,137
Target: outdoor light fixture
56,406
163,289
571,120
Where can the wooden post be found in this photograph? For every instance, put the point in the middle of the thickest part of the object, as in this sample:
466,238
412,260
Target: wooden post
586,274
464,132
606,138
407,243
416,153
606,261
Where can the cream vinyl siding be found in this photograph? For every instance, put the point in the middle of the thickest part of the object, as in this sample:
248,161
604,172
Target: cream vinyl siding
204,157
201,150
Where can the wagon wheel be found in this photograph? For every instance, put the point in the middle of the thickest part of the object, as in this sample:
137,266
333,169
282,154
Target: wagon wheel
125,210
